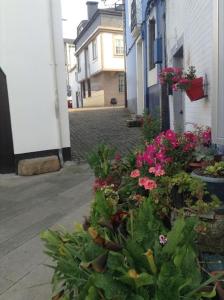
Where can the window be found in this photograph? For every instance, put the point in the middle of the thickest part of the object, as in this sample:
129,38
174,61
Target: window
152,36
94,49
121,83
89,87
78,64
118,45
83,88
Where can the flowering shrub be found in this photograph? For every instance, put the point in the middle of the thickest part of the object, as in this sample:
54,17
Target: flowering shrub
165,154
129,247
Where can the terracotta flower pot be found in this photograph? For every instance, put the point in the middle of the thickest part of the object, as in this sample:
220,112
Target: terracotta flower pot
196,90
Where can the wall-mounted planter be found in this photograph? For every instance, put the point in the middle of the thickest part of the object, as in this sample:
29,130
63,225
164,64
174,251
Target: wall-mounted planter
196,90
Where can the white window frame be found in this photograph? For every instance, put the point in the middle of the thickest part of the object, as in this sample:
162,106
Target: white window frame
121,82
94,49
120,39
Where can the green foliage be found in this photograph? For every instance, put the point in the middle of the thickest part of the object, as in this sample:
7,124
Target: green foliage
119,255
151,127
100,160
217,170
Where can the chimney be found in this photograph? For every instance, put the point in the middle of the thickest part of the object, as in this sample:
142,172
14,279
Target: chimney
92,7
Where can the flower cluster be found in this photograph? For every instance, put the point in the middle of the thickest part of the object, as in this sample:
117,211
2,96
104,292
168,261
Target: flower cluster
170,75
145,182
168,153
177,78
158,155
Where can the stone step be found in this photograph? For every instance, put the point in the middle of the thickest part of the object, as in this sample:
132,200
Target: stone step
40,165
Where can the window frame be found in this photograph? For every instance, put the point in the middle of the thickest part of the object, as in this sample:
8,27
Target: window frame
151,41
78,63
121,82
117,37
94,49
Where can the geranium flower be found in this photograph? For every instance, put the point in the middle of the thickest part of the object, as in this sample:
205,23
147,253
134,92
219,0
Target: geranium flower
163,240
135,173
117,157
142,181
152,170
159,171
150,185
139,160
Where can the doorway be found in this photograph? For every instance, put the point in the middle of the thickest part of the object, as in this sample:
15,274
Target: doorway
140,78
178,97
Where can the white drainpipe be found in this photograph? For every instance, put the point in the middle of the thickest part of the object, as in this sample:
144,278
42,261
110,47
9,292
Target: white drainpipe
57,104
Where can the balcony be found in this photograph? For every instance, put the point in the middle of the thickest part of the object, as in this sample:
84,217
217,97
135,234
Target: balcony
136,17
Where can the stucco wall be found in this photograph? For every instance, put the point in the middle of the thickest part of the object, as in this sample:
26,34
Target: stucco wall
110,60
111,88
191,22
27,42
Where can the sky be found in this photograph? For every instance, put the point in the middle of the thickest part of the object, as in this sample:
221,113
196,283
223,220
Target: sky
74,11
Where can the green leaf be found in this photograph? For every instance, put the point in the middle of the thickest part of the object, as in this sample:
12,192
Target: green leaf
112,288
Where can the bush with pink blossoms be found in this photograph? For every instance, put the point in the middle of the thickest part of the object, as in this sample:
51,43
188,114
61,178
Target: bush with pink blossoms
168,153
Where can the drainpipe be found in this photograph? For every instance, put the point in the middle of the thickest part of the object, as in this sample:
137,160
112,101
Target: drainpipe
57,101
125,51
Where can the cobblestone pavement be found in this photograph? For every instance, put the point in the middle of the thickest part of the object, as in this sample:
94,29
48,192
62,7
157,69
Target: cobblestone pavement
90,127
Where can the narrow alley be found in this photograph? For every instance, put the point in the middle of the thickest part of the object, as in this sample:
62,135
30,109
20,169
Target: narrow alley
90,127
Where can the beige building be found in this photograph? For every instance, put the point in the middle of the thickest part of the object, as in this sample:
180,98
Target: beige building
100,57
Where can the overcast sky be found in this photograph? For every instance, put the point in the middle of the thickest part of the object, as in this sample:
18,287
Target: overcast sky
74,11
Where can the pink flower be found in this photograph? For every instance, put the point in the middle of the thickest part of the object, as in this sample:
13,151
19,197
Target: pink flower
117,157
170,135
174,87
139,160
135,173
147,183
159,171
152,170
142,181
168,70
160,155
162,239
150,185
184,81
177,70
207,136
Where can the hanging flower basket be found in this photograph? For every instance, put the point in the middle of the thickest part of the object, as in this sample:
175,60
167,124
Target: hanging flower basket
196,90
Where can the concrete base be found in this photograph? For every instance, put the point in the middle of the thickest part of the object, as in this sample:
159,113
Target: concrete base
37,166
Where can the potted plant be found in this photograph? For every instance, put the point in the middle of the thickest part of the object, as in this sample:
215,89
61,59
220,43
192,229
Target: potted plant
170,76
191,84
213,176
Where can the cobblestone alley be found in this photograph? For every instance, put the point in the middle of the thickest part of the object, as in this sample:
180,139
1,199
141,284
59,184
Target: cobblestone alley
90,127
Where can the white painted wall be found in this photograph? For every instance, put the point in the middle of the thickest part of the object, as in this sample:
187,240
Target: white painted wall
95,65
110,60
39,118
106,59
192,21
218,60
81,72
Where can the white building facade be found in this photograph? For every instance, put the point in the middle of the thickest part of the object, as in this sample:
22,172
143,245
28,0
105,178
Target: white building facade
100,57
194,38
32,59
73,87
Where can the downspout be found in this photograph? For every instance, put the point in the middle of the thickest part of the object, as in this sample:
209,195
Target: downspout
125,48
57,101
